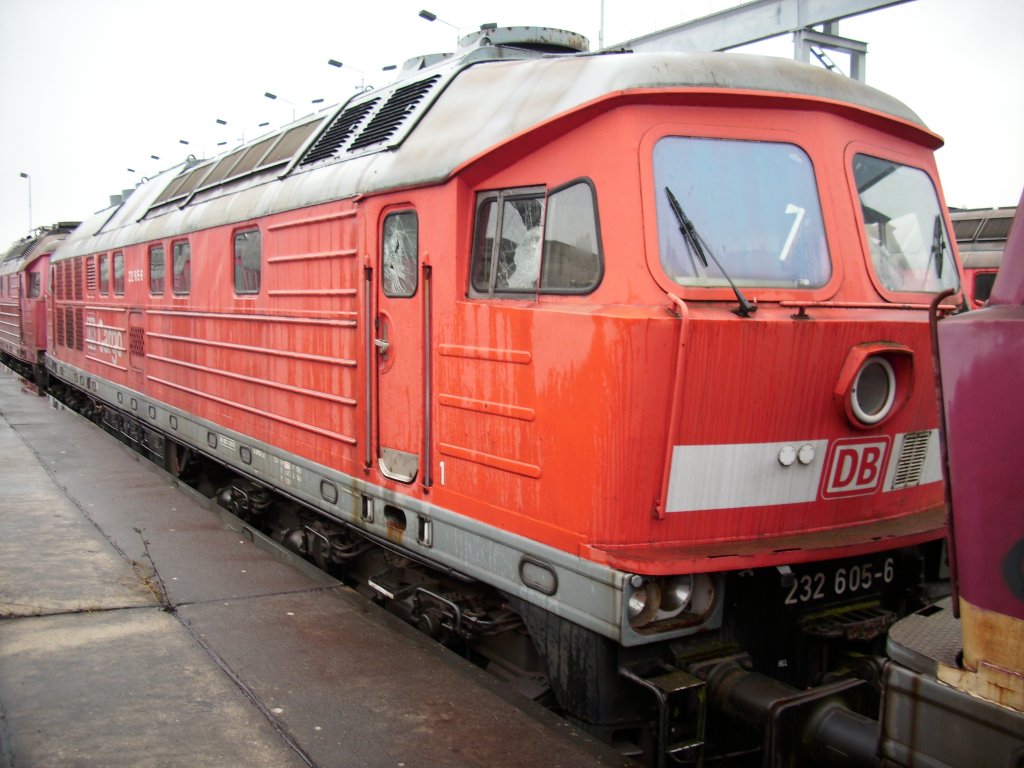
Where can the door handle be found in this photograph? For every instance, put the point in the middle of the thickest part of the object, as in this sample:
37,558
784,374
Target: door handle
382,346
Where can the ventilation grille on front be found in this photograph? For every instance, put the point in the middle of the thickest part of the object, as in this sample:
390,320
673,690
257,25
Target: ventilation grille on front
339,132
913,453
395,112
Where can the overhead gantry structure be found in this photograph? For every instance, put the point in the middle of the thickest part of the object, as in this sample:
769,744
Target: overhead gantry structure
764,19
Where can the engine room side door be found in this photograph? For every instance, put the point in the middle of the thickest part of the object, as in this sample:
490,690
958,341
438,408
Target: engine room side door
398,341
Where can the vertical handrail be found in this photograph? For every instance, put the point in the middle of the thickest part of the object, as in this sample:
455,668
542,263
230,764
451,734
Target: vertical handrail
933,329
370,364
427,391
677,404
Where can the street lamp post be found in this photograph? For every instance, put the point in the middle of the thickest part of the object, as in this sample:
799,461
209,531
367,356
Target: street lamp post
428,16
29,178
434,17
362,77
275,97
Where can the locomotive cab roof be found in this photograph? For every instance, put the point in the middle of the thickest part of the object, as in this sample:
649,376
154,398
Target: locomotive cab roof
440,114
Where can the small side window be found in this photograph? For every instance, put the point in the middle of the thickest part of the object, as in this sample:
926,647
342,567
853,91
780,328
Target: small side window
34,285
400,255
248,261
156,270
118,273
104,275
182,280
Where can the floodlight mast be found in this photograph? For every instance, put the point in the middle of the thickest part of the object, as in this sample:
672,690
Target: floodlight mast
28,178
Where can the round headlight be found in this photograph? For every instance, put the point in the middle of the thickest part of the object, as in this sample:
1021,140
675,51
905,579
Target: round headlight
874,390
676,594
643,603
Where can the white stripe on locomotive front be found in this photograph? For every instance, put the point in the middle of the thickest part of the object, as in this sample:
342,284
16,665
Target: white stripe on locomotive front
737,475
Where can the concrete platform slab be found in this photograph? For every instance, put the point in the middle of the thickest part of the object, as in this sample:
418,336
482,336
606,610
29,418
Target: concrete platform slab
73,567
125,688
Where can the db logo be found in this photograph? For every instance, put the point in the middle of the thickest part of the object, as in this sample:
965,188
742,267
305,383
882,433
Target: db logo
855,467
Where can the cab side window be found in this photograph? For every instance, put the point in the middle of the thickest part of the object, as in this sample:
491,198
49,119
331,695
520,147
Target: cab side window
529,242
571,262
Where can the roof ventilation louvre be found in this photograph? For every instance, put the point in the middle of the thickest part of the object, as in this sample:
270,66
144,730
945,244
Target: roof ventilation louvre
343,127
394,112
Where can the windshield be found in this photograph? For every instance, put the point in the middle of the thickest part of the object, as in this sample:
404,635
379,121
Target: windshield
906,233
753,204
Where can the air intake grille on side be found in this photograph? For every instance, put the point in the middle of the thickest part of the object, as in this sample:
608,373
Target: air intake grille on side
69,327
137,343
343,127
79,329
78,280
401,104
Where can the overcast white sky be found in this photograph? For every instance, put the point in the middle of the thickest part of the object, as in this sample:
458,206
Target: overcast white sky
91,88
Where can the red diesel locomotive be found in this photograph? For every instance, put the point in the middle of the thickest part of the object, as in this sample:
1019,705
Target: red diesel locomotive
615,365
24,269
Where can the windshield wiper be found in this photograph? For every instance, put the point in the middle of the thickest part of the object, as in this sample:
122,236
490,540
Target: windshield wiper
938,245
698,246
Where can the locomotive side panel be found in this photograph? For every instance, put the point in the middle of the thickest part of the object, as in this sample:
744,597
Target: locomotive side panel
254,351
221,324
264,340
